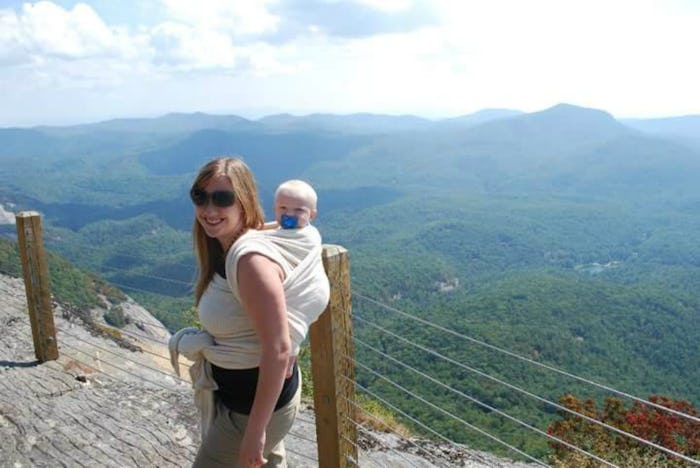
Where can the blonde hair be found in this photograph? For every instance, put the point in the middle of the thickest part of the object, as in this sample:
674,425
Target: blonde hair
208,250
301,189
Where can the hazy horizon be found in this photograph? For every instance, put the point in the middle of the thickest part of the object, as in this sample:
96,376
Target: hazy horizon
259,116
65,62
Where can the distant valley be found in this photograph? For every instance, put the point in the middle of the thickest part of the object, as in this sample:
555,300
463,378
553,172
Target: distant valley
563,234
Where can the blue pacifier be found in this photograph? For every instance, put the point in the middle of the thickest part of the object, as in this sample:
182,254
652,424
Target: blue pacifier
288,222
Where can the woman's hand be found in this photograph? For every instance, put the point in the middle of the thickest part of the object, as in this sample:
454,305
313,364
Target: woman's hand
251,451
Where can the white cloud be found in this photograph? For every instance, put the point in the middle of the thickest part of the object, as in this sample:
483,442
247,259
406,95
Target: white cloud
44,32
387,5
185,48
630,57
266,60
77,33
233,17
622,56
11,43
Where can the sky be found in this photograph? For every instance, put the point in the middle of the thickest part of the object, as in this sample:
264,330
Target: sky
64,62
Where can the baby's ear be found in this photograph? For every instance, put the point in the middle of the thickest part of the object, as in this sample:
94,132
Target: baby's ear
313,213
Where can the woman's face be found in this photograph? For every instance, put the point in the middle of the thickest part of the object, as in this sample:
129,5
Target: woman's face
219,222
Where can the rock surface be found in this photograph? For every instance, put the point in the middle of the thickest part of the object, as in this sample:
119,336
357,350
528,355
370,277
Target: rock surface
115,402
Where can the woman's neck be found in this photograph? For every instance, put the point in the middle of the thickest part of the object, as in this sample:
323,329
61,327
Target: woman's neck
225,245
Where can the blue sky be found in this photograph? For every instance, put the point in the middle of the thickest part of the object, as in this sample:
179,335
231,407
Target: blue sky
64,62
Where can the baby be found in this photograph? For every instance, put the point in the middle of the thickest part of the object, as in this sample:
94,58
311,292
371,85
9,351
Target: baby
295,205
300,243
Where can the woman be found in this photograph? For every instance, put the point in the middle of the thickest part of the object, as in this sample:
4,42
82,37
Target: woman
241,303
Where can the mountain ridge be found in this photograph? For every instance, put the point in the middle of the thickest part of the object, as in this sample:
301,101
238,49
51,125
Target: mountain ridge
523,215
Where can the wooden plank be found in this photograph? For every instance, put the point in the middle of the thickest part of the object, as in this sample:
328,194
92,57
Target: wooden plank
37,285
332,354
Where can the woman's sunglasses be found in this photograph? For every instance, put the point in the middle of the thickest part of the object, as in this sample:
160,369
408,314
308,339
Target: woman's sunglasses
220,198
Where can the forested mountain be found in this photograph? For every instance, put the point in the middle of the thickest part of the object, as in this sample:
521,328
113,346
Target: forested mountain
564,235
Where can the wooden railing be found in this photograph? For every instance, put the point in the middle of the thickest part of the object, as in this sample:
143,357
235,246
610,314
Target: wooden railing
332,355
330,337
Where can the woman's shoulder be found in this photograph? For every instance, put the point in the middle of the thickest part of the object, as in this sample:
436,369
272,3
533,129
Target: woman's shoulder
253,241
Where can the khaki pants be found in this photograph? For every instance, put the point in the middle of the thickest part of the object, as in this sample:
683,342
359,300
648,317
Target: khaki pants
221,445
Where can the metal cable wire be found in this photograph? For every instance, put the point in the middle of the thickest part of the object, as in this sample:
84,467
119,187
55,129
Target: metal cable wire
151,325
125,359
529,427
480,403
140,377
301,436
10,274
80,361
404,414
353,461
681,414
354,444
134,334
360,427
539,398
528,360
148,380
447,413
378,420
306,420
146,351
99,249
188,266
145,379
143,275
440,383
131,288
97,422
141,325
137,335
303,455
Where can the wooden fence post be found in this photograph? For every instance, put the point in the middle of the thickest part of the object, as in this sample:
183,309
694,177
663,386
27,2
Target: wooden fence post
332,355
37,285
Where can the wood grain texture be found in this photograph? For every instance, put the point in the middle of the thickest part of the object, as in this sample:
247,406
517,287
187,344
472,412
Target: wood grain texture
332,368
37,284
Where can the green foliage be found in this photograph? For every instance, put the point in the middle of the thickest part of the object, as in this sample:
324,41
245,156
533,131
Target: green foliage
68,284
115,316
191,317
174,312
371,413
560,236
304,363
10,263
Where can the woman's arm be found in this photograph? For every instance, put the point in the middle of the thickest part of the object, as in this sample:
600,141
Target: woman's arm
262,296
